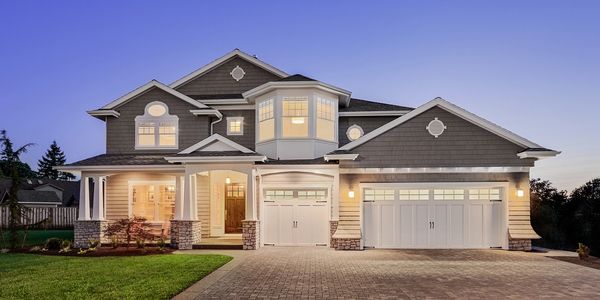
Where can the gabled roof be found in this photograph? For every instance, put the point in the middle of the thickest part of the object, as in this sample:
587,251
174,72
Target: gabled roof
296,77
142,89
485,124
236,52
216,138
361,105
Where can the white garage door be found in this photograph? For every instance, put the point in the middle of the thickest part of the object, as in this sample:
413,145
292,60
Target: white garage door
296,217
430,216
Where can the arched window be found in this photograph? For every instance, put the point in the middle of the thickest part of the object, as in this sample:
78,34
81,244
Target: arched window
156,129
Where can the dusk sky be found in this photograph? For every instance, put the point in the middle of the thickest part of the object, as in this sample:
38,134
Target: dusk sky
532,67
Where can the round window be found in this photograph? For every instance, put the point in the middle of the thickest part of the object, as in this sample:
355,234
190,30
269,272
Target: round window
436,127
354,132
157,110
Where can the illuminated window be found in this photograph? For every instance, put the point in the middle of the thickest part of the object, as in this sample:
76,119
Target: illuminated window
378,194
266,121
325,119
485,194
449,194
235,126
155,202
156,128
413,194
295,117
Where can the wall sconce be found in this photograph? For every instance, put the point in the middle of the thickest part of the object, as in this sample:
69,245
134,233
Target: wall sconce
351,194
227,180
520,193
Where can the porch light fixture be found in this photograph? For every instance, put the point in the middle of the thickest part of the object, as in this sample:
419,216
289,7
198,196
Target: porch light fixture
297,120
351,194
227,180
520,193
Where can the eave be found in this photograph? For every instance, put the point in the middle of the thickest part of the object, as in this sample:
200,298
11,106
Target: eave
269,86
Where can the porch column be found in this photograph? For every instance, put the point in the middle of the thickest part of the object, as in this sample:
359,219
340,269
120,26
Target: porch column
190,211
251,224
250,195
179,190
84,199
99,198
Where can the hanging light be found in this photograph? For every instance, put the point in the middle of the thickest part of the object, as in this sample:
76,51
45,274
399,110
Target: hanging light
298,120
227,180
351,194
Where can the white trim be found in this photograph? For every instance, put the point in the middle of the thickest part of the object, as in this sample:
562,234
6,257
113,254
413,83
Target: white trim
382,113
222,59
215,159
37,203
329,157
267,87
121,168
213,138
153,83
104,113
538,154
241,120
434,170
241,76
223,101
362,132
452,109
235,107
206,112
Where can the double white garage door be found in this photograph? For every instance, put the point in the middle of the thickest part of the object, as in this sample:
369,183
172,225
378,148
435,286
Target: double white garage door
426,216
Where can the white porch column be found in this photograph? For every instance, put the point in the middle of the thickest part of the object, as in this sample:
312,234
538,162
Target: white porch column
190,211
84,199
99,199
179,191
250,196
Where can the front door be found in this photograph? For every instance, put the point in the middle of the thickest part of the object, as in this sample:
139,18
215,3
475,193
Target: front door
235,207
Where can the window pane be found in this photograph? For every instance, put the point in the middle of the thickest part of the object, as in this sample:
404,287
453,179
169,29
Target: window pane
167,140
146,140
325,130
266,130
295,127
153,202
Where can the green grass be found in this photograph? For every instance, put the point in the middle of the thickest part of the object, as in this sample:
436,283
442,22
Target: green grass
38,237
30,276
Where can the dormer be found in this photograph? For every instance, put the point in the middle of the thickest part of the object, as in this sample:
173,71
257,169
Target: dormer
297,117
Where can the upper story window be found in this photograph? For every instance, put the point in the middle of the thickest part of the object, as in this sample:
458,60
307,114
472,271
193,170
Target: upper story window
325,119
266,120
235,126
295,117
156,129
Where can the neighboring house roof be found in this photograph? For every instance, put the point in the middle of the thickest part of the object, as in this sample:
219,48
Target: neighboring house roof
48,185
236,52
69,189
485,124
33,196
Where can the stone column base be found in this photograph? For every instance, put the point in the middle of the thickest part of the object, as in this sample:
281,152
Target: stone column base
347,244
519,244
184,234
86,231
332,228
251,234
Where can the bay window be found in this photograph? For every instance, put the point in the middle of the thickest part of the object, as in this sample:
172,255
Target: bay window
266,120
156,128
325,119
295,117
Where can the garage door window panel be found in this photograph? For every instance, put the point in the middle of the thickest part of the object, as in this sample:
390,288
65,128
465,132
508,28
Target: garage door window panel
413,194
379,194
448,194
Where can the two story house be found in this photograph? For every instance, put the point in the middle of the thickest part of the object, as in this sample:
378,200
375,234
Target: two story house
241,150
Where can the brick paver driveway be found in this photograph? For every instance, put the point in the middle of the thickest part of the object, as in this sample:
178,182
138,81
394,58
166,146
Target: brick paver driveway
325,273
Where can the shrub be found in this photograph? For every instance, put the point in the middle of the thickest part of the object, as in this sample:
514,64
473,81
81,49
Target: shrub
161,243
93,244
140,242
35,249
583,251
65,246
130,229
53,244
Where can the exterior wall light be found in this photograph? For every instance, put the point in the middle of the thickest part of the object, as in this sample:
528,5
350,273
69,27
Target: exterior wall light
520,193
351,194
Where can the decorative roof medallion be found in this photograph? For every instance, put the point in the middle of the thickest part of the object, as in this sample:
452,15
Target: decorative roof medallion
237,73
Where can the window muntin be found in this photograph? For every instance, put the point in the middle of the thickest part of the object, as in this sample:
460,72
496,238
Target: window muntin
449,194
155,202
485,194
295,117
379,194
325,119
156,128
235,126
413,194
266,121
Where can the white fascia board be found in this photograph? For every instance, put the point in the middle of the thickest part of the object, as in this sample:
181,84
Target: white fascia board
215,63
538,154
433,170
223,101
485,124
329,157
267,87
213,138
206,112
382,113
149,85
235,107
104,113
215,159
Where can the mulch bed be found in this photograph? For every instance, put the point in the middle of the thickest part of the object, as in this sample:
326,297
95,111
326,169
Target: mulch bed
591,262
105,251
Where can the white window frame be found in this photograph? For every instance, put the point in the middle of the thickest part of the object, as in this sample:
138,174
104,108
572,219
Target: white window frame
318,100
308,116
231,119
156,121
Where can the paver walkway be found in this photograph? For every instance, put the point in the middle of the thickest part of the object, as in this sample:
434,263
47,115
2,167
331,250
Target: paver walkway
298,272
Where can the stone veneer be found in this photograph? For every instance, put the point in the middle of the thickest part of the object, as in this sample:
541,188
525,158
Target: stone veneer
519,244
250,234
347,244
332,228
85,231
184,234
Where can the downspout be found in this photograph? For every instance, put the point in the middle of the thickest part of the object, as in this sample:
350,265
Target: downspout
215,122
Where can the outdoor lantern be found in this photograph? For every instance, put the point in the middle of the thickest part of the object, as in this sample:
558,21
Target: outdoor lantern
351,194
520,193
227,180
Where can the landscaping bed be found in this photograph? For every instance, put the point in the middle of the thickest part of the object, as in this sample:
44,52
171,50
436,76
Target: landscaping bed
103,251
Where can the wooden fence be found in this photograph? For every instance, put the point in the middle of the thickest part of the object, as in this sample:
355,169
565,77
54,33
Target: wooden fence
57,217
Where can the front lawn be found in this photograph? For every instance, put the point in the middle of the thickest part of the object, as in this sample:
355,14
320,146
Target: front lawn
30,276
38,237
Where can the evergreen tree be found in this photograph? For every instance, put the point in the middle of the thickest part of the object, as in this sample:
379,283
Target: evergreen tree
54,157
10,159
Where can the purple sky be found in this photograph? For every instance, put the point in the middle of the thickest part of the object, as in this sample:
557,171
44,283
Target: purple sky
531,66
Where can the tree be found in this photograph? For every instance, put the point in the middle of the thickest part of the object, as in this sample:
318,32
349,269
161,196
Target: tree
548,213
11,159
585,224
54,157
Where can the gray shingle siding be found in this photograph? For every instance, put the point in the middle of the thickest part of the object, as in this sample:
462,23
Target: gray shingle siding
367,124
463,144
248,138
120,132
219,80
